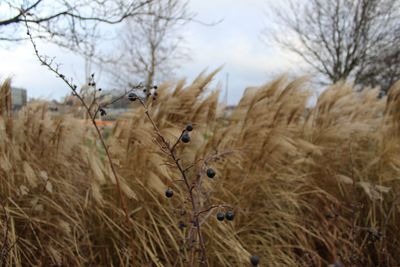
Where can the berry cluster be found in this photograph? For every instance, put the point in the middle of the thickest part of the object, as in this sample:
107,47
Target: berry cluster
143,94
229,215
185,138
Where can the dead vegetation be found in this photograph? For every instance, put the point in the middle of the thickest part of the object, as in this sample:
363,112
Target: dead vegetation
310,186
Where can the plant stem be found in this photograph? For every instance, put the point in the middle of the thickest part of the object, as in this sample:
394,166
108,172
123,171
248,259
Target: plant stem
195,213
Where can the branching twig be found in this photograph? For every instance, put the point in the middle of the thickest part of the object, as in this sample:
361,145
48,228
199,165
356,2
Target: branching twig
92,115
189,187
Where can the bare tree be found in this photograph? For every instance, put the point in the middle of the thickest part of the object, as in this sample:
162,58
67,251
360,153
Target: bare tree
150,47
343,39
64,22
384,69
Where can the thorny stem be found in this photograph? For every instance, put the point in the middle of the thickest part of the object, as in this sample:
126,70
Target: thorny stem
92,116
189,188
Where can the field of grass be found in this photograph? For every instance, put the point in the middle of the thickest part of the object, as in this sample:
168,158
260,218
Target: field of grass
309,186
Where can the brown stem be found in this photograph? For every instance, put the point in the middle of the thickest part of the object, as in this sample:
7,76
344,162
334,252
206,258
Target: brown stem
195,214
92,117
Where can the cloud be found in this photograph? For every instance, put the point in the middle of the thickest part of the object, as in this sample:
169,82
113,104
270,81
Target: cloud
20,63
234,43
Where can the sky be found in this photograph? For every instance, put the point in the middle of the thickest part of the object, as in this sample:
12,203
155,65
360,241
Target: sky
236,43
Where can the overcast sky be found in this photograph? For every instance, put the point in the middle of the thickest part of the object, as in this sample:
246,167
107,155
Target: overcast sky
234,43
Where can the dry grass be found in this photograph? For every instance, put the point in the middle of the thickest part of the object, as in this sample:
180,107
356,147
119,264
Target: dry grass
310,187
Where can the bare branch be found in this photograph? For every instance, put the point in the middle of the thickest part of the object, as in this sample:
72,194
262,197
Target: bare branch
342,39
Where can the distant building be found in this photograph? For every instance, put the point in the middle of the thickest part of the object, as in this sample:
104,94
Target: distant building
19,98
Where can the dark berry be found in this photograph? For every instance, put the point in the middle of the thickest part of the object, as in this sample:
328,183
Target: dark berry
169,193
210,173
255,260
220,216
102,112
189,127
230,215
132,96
182,225
185,138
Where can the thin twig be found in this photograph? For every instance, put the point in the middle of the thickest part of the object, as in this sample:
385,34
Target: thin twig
92,117
189,187
88,111
178,140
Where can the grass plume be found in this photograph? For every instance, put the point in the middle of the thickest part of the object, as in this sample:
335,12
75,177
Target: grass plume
311,186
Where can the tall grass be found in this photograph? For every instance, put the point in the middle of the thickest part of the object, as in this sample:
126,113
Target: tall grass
310,186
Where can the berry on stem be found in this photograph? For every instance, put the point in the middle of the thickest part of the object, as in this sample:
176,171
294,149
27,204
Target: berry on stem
169,193
229,215
255,260
189,127
220,216
210,173
102,112
182,225
132,96
185,138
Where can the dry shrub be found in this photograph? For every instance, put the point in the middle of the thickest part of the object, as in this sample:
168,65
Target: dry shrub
310,186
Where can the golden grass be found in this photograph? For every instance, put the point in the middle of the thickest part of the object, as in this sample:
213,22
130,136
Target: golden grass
310,186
